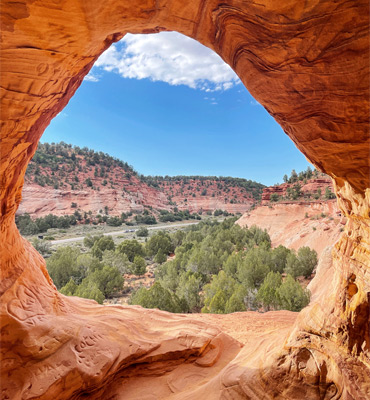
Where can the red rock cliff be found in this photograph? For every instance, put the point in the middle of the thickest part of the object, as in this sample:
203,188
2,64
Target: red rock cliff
307,63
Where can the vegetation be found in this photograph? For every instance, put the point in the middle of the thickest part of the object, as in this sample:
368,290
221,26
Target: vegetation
27,226
64,166
217,268
296,181
167,216
221,268
142,232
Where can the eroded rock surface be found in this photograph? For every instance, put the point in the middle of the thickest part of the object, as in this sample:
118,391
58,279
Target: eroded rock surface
307,63
316,224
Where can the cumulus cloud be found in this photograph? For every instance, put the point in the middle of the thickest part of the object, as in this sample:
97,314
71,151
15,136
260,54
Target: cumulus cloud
168,57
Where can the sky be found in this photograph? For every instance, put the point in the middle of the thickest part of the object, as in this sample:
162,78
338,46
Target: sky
167,105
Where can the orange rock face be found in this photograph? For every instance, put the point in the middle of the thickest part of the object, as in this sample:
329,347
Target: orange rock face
295,224
307,63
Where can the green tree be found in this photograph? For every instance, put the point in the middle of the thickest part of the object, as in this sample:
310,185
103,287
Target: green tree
217,292
89,240
293,266
108,280
69,289
139,266
117,260
131,248
254,268
160,240
160,257
89,290
236,301
142,232
301,264
308,260
188,289
233,263
169,275
291,295
87,264
329,194
42,246
114,221
268,292
293,176
102,244
62,266
218,303
156,297
279,259
274,197
25,225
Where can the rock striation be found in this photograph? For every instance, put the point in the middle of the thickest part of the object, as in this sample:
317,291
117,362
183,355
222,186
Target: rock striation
307,63
317,224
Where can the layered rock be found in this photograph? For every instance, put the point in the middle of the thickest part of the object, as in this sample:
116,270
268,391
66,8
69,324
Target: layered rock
307,63
308,189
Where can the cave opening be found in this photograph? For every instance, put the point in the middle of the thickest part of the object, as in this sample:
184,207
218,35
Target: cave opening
308,65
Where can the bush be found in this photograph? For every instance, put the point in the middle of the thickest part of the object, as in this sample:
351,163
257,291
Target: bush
114,221
139,266
102,244
291,295
301,264
160,257
117,260
89,240
89,290
42,246
157,297
159,241
108,280
145,219
62,266
142,232
274,197
268,292
131,248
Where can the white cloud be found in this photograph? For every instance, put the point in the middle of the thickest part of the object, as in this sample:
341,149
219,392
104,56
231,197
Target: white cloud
90,77
168,57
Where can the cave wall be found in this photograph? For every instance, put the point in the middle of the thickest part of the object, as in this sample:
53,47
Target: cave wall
307,63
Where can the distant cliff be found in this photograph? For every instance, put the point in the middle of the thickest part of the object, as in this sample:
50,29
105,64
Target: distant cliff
62,178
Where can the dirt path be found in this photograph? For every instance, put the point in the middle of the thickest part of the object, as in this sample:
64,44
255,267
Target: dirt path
115,233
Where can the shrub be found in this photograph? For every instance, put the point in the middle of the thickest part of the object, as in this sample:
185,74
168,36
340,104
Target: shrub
157,297
131,248
274,197
268,292
139,266
291,295
142,232
62,265
160,257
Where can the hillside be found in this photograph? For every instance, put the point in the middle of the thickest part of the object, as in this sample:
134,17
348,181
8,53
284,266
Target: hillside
62,178
302,211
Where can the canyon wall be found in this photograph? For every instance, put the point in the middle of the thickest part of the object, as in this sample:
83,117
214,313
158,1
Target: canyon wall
307,63
293,225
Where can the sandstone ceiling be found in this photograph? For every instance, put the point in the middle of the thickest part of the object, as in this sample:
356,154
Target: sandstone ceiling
307,63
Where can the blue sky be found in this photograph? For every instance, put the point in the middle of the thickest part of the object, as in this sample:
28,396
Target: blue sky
169,106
